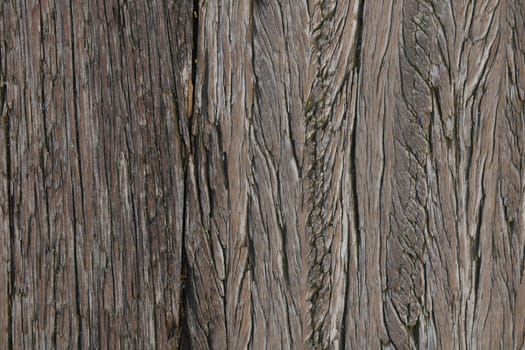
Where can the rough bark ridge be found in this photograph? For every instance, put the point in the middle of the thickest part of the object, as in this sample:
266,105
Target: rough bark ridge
377,170
262,174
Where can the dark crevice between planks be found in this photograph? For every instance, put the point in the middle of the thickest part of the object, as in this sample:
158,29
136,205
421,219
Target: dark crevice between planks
183,334
79,160
6,125
11,206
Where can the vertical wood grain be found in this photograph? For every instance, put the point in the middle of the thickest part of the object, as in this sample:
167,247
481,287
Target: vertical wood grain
96,175
262,174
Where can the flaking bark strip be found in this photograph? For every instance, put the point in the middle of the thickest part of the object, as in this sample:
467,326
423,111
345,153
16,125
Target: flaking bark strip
323,115
315,229
407,222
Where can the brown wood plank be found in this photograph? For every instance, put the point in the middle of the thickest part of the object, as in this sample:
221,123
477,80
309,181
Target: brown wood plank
262,174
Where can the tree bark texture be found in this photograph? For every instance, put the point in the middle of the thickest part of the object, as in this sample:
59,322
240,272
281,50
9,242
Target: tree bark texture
266,174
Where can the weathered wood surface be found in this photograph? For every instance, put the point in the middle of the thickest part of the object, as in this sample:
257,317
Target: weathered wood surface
264,174
95,177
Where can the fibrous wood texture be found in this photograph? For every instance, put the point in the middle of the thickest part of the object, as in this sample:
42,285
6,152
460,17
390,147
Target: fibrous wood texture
262,174
92,175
